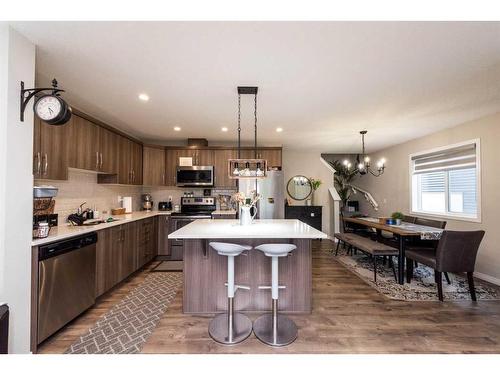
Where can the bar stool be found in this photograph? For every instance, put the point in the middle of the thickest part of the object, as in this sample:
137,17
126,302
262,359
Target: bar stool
230,328
274,329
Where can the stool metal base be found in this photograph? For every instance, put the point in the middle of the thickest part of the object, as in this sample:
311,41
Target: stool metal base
285,333
219,329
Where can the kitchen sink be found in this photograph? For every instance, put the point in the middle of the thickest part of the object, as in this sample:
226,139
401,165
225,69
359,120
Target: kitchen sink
99,221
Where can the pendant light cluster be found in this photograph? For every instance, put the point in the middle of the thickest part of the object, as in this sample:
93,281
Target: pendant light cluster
242,168
363,165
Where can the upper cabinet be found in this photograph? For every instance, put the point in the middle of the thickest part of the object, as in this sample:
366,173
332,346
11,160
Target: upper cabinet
109,146
272,155
94,148
221,158
129,164
153,161
118,159
51,150
85,145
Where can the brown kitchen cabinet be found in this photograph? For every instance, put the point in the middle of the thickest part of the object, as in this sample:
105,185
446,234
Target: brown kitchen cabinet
123,249
153,166
128,261
108,148
273,156
221,158
129,162
84,145
51,150
147,241
108,258
162,232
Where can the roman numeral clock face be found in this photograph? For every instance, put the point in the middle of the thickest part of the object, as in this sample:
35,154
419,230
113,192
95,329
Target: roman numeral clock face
48,107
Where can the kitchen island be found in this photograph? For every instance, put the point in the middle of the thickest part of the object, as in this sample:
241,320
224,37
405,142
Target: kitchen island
205,272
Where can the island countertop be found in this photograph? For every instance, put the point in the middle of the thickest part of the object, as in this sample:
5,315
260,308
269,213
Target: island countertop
268,228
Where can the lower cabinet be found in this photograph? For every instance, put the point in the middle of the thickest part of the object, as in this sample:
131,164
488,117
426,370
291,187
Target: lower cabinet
147,241
122,250
311,215
163,231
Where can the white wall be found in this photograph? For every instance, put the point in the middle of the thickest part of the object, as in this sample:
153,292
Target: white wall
308,164
392,189
16,143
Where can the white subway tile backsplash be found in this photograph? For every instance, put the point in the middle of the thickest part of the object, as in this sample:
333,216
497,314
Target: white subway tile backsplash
82,186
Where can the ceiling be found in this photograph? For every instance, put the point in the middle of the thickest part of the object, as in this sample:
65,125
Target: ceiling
321,82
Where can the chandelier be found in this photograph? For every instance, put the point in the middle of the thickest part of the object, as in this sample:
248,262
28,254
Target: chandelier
363,165
244,168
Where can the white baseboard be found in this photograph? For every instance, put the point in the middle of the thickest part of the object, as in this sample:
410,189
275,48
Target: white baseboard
487,278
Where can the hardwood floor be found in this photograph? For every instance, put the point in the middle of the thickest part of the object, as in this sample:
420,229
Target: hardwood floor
348,317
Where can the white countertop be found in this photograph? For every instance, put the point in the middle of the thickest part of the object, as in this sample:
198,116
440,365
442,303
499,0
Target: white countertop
64,231
270,228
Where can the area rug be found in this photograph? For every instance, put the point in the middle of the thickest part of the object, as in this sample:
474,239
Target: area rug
169,266
125,328
422,286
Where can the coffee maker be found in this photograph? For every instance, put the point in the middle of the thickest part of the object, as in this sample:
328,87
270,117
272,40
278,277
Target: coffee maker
147,202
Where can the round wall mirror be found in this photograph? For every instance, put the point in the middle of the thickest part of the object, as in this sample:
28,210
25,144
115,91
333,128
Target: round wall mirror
299,188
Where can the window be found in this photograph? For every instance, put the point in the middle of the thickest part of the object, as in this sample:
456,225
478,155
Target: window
445,181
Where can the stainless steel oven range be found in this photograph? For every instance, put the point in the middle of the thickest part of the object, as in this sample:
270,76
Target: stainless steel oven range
192,208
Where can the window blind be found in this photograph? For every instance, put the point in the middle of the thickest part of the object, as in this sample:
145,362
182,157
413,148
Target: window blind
459,157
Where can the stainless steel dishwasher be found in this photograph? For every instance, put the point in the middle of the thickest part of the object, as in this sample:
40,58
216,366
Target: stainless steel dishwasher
66,282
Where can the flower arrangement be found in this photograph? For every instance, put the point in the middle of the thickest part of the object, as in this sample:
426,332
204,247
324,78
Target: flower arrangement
243,200
315,184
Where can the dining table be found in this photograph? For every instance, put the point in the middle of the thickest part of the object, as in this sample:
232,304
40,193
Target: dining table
402,232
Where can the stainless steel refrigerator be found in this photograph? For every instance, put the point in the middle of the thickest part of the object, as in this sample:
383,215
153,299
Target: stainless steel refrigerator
271,188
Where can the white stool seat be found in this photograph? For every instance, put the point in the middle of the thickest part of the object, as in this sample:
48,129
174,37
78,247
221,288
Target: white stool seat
275,329
276,249
229,249
230,328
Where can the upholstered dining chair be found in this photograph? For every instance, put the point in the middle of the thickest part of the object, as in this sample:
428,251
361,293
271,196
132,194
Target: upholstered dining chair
456,252
429,245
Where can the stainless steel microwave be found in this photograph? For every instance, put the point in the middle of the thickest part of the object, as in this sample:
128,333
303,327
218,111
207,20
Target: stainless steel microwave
195,176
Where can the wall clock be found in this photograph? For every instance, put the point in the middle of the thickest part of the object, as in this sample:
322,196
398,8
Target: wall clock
50,107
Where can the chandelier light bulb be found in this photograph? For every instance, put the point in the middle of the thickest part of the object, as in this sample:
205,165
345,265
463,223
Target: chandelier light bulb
382,161
346,162
349,165
367,159
361,166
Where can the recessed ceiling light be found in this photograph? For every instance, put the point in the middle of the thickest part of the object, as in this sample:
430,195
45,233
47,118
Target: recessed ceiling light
144,97
279,130
177,129
224,129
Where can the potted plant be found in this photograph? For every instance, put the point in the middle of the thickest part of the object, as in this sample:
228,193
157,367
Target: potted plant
315,184
342,180
245,204
398,216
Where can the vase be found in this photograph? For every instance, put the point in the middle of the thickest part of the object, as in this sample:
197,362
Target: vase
245,217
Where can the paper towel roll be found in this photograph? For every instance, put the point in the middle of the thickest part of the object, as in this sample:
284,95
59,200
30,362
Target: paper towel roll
127,204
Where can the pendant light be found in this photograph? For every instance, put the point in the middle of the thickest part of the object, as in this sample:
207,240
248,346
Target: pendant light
241,168
363,165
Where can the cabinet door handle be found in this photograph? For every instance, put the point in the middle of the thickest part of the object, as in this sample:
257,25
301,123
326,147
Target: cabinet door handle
46,165
163,178
38,157
101,160
96,160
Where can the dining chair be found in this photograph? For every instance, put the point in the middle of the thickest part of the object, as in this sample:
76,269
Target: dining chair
456,252
429,245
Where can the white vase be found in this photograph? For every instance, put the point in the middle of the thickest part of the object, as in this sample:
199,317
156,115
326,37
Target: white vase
245,217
